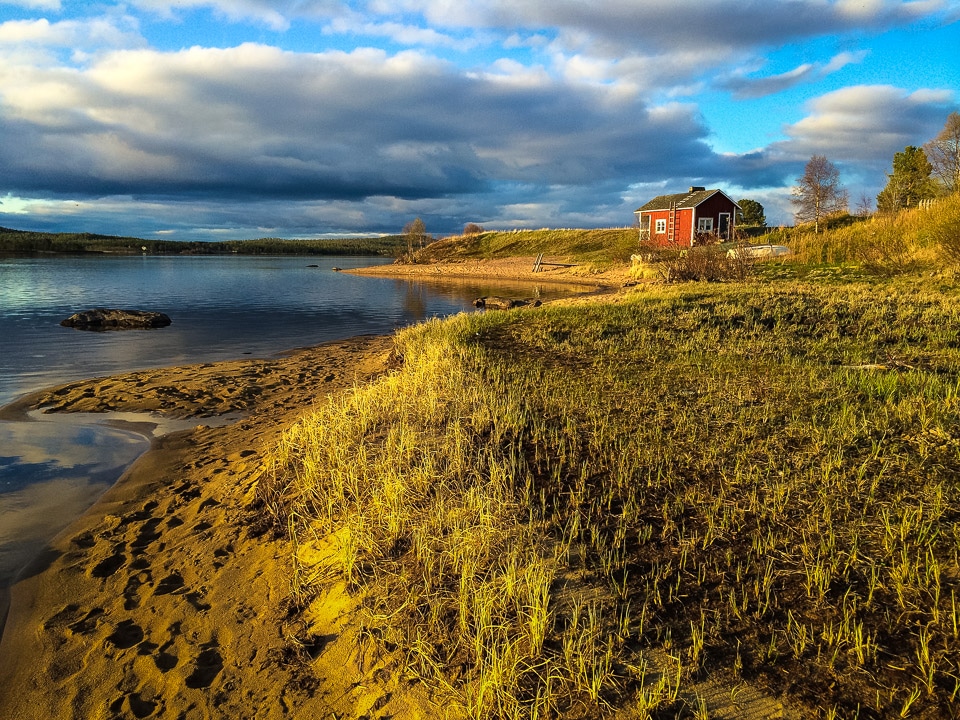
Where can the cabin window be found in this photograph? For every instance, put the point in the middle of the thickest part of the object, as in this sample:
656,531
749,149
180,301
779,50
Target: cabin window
705,225
661,227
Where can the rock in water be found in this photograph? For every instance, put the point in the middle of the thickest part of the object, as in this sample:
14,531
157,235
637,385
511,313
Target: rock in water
107,319
494,302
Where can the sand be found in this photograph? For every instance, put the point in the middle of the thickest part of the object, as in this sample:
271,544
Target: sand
168,598
505,269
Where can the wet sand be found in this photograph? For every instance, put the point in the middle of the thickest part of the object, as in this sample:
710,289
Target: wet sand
169,597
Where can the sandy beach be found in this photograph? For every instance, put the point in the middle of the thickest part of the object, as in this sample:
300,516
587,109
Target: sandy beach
519,269
168,598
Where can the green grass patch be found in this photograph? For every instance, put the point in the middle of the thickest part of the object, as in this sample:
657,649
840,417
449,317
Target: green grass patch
601,247
565,511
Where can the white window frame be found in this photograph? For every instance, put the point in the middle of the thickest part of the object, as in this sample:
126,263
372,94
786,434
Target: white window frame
704,224
661,227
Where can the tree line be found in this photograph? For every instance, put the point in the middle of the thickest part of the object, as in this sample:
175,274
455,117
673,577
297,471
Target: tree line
919,174
24,241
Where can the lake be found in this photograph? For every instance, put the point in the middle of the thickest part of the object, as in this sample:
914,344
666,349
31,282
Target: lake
222,308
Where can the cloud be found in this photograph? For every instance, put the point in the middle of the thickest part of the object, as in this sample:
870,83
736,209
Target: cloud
275,14
867,123
567,114
620,26
744,87
397,32
34,4
76,35
254,121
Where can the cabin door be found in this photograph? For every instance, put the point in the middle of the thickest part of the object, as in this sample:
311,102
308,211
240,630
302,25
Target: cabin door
723,226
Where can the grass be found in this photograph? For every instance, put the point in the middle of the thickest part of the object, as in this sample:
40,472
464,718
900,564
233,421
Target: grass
598,247
885,244
585,508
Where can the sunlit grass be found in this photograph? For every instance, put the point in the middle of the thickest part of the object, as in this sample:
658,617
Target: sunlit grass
562,511
886,244
600,247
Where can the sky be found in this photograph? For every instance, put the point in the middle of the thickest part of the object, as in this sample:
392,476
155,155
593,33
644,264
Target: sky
233,119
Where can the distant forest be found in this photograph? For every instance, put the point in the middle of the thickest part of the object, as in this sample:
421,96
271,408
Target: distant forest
26,242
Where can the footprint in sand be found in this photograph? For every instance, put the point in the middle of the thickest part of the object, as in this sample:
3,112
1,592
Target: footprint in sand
71,620
147,534
126,635
108,566
170,584
131,593
139,706
88,623
208,665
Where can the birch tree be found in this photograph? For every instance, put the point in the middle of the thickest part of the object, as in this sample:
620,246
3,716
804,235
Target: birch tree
818,193
943,152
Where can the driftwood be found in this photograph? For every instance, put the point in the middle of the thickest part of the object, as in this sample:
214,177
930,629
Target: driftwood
539,264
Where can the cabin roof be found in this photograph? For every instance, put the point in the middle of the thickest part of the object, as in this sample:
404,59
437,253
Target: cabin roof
690,199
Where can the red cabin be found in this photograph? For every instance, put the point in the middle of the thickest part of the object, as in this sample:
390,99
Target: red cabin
696,217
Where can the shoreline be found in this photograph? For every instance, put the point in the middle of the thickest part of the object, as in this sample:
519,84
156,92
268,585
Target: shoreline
514,269
169,595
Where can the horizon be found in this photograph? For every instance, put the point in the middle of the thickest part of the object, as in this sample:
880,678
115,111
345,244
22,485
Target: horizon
332,119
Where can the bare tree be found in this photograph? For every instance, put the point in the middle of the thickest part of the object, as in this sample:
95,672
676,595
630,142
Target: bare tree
943,152
415,232
818,194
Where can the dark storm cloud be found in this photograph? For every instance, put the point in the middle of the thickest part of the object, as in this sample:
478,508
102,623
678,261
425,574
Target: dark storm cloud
673,25
255,121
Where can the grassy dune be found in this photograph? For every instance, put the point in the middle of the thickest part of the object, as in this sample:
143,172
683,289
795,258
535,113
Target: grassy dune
582,508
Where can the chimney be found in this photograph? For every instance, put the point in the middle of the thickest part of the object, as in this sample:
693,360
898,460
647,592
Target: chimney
696,188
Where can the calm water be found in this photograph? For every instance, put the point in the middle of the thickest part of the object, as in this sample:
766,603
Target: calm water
221,307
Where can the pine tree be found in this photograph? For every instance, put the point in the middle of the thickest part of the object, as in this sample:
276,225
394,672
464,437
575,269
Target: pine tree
909,183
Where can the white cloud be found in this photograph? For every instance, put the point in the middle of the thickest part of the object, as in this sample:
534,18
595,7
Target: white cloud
37,42
107,32
255,121
400,33
744,86
275,14
867,123
34,4
561,110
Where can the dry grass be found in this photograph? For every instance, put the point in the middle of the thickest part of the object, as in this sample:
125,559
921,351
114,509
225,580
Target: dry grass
888,244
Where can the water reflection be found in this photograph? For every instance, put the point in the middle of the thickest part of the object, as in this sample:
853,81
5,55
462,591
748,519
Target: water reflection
49,474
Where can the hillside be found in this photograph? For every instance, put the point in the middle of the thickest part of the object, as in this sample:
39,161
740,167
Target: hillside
598,246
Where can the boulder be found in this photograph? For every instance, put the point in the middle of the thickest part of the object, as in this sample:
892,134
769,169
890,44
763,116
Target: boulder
495,302
108,319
